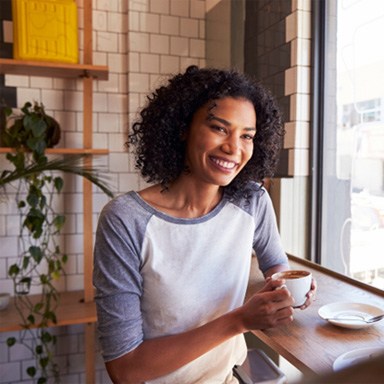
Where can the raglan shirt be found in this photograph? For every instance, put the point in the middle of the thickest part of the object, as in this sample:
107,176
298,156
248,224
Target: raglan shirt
158,275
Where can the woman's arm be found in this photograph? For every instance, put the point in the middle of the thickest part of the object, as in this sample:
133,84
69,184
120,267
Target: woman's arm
276,268
160,356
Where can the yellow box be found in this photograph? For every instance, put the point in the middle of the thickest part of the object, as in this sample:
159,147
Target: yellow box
45,30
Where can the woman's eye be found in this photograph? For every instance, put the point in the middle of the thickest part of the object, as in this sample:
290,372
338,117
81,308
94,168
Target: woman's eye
248,137
218,128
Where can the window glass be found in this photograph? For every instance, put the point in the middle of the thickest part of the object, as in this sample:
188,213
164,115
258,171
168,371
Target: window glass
352,195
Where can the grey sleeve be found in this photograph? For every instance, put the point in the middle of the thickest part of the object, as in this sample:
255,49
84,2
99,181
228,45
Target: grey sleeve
117,280
267,242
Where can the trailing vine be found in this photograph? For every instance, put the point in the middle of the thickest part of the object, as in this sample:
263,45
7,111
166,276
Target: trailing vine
41,261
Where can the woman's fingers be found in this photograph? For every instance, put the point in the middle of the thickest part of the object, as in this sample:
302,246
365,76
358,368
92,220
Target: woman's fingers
311,295
268,309
271,285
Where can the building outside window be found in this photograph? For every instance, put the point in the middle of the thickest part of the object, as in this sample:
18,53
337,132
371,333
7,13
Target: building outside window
350,134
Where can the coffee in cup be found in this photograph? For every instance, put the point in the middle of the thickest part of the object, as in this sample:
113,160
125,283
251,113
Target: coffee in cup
298,283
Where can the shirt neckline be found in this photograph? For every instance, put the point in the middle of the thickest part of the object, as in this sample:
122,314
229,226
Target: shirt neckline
179,220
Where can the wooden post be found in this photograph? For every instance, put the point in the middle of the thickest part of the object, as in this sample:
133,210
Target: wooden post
87,194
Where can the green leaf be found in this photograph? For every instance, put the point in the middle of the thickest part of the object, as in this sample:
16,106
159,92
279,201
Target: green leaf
59,221
42,161
36,253
39,349
50,315
34,222
42,380
33,199
36,125
33,143
25,262
44,362
64,259
59,183
40,147
11,341
58,265
31,371
38,307
46,337
31,319
55,275
44,279
13,270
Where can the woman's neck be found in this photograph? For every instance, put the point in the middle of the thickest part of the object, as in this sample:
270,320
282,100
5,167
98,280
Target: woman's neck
183,199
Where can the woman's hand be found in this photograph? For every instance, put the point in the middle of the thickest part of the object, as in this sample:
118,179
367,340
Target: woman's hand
311,295
269,307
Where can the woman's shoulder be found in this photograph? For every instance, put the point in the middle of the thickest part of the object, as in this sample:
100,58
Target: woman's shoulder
126,211
127,205
120,201
251,191
253,197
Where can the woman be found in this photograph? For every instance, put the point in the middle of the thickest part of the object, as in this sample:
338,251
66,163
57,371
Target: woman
172,261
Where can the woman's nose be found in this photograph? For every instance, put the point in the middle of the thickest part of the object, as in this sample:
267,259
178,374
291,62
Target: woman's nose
230,146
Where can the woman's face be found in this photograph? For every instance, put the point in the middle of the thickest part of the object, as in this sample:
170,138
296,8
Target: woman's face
220,140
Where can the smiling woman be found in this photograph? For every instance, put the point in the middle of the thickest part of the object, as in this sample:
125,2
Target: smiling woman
172,261
172,108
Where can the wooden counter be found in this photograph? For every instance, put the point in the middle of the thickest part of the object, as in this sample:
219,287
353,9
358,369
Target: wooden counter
312,344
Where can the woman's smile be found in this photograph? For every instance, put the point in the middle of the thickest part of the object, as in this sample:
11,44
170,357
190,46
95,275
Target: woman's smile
225,165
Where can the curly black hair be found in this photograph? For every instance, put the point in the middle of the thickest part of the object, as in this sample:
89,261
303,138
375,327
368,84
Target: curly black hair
158,133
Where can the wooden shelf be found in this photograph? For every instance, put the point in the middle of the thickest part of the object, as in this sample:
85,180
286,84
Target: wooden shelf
51,69
71,310
66,151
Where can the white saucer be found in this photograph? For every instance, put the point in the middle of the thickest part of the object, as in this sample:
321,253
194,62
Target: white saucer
347,310
356,356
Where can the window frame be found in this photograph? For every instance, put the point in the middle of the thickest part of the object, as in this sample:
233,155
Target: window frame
318,32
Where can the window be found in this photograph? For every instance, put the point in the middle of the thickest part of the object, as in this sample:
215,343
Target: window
349,156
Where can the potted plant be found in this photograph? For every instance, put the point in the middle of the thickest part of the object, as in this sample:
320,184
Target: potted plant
41,261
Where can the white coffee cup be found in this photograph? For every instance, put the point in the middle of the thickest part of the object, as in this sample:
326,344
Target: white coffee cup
298,283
